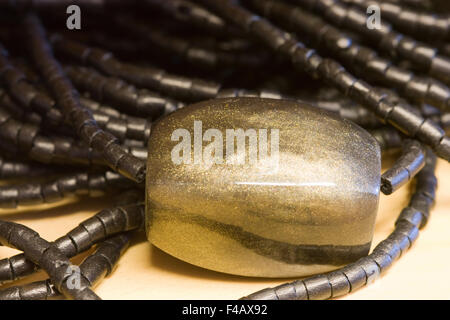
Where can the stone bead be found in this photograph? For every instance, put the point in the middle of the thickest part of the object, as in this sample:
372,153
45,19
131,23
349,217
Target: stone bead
294,193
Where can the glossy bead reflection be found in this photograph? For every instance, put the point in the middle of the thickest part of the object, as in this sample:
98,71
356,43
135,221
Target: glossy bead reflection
304,203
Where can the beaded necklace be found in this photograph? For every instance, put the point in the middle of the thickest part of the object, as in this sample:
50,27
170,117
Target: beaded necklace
91,118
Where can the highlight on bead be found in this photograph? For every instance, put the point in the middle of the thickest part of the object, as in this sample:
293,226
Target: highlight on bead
233,141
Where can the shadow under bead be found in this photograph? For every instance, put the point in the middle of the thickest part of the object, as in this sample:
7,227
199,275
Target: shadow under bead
190,89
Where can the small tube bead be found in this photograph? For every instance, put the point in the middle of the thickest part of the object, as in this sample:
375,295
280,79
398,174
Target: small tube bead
405,168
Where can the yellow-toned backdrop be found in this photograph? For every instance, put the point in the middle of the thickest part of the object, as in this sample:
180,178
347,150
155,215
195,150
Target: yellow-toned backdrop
145,272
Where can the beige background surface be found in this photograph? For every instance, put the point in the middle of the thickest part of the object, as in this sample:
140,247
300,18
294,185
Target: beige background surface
145,272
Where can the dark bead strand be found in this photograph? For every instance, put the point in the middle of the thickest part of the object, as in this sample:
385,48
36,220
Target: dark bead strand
194,15
102,262
387,39
104,62
38,290
67,98
25,68
190,89
64,151
362,60
94,268
26,5
19,113
347,109
22,134
368,269
232,45
46,104
131,127
24,92
140,52
344,108
427,26
426,5
427,111
445,121
268,94
147,77
96,106
28,140
157,79
20,169
135,143
134,197
122,126
121,95
423,199
405,167
138,152
125,127
403,117
188,52
47,256
12,196
104,224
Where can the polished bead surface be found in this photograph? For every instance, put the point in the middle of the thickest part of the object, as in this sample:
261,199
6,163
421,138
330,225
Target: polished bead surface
297,195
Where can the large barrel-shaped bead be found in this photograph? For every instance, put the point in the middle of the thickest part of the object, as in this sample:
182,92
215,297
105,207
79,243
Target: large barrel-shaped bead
261,187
